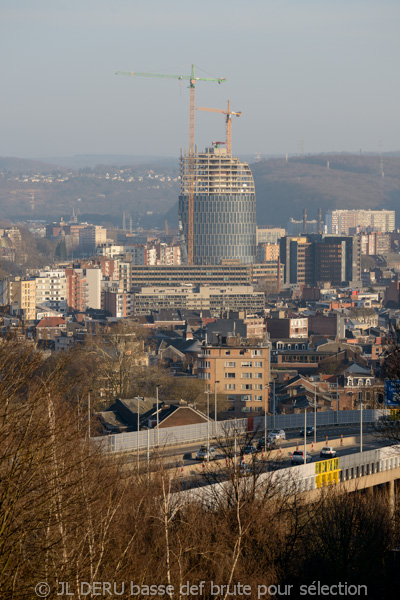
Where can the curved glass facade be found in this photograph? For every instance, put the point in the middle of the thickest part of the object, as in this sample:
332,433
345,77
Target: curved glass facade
224,224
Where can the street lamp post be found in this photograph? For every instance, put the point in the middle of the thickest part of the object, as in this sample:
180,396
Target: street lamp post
89,413
273,403
315,414
138,428
361,415
337,400
208,392
158,431
215,408
265,417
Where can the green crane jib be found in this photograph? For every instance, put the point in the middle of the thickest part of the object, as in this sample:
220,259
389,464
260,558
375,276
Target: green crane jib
192,82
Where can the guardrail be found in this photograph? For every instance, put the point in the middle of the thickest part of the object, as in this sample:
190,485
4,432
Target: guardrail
351,466
303,478
173,436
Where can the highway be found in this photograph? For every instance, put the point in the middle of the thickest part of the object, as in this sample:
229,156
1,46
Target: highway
185,454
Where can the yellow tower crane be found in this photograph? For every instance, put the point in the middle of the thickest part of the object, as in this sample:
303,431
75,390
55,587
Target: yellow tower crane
192,82
228,122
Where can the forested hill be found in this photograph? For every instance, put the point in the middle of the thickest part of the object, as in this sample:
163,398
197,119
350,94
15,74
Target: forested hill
284,189
149,192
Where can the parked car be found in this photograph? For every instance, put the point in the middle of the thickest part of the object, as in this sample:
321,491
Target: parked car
309,431
203,455
271,444
327,452
298,457
277,434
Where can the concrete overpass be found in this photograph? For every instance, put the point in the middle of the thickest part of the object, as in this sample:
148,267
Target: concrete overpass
364,470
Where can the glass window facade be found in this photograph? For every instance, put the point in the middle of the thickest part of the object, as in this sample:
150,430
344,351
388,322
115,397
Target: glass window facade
224,209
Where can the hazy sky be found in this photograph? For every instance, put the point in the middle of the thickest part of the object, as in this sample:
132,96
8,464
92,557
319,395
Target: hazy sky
314,74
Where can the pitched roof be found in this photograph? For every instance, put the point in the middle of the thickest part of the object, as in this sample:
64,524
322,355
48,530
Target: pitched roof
358,369
51,322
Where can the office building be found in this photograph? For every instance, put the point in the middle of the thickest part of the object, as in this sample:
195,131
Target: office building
225,274
313,259
214,299
270,235
224,207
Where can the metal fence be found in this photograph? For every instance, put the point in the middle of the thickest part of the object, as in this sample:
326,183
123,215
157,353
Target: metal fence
173,436
343,417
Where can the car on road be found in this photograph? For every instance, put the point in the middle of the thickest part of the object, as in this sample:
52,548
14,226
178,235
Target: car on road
309,431
202,454
249,449
298,457
277,434
327,452
271,444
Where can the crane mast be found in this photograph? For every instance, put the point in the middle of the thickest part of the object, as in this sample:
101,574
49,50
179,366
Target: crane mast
192,85
228,122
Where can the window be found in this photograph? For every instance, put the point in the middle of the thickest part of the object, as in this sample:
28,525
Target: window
258,364
247,363
230,363
257,353
229,375
246,409
246,386
232,398
247,375
227,352
245,398
258,386
257,408
258,398
230,386
258,375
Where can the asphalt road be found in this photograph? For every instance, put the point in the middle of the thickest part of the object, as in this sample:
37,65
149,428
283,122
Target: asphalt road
175,455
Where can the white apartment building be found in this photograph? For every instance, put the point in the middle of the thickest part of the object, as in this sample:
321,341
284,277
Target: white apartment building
348,222
93,287
110,250
51,290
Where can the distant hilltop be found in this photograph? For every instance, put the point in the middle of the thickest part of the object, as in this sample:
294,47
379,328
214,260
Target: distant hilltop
80,161
148,188
329,181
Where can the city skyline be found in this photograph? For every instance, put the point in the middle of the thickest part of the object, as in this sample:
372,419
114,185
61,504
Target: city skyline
307,77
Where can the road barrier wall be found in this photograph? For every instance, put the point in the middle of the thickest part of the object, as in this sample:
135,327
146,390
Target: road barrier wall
173,436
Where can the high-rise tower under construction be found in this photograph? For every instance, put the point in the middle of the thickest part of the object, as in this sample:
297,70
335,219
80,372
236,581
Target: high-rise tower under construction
224,207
